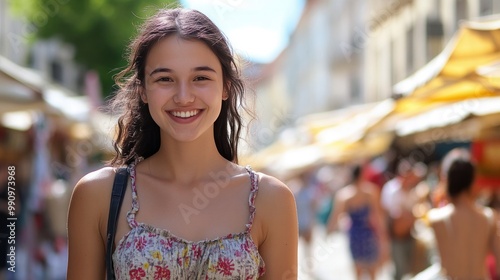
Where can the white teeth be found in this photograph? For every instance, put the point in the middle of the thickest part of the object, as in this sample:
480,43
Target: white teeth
185,114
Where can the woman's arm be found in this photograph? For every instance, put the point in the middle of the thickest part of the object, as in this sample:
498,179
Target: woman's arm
379,222
86,241
495,242
276,207
338,209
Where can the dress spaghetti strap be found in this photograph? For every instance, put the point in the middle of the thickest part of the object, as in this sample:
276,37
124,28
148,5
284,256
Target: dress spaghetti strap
135,202
254,178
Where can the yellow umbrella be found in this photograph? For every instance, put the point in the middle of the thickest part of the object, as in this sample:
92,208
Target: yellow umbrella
335,136
318,122
467,68
346,151
484,111
350,139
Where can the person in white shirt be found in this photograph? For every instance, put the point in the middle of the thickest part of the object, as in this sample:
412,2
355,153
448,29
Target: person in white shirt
398,199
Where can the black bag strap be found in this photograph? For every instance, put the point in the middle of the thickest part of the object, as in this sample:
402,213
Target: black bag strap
117,194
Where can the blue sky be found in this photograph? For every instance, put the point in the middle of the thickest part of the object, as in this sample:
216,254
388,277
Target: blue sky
257,29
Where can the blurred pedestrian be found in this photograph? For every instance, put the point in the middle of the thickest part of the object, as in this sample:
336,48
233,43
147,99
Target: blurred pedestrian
398,200
201,215
439,196
305,197
494,203
306,200
465,231
366,231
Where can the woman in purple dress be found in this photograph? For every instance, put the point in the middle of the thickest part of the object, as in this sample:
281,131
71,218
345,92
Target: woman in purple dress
359,202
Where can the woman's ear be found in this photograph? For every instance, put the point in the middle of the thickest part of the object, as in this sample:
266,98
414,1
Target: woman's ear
225,94
142,92
144,97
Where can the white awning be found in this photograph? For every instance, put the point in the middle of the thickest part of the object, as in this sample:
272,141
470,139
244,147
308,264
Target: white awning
25,89
448,115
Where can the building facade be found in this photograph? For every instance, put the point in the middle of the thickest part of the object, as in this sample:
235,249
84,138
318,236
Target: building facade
402,36
53,59
345,53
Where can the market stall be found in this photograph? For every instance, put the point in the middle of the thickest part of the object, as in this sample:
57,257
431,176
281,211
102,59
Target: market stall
455,98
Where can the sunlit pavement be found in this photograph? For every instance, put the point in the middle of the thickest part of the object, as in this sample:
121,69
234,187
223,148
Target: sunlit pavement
330,259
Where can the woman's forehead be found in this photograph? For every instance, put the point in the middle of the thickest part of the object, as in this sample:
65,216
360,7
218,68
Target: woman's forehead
175,53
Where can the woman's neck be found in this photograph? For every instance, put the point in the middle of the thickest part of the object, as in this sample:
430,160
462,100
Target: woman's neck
463,200
187,161
357,184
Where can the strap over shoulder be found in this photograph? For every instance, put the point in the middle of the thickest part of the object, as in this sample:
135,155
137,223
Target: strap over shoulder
117,194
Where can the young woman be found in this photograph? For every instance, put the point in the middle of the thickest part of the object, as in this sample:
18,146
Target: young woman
190,211
366,232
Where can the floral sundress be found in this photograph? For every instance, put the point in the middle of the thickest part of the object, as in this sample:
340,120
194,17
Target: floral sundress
147,252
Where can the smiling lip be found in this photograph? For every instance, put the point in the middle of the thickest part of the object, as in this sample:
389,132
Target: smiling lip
184,116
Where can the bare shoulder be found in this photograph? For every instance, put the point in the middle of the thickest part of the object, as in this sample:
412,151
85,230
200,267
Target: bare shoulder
97,183
275,201
489,213
272,190
437,215
276,228
93,189
345,193
276,209
87,219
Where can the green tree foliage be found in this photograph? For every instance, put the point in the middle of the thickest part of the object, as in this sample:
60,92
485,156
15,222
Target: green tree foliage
99,30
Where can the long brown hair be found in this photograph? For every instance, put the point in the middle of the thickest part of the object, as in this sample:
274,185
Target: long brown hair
138,135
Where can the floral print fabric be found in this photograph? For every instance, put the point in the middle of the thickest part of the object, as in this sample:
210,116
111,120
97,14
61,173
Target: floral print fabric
146,252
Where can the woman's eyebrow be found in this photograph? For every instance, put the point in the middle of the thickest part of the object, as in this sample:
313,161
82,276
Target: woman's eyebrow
160,69
204,68
168,70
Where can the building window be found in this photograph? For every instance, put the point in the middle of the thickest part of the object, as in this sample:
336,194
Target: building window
435,10
56,71
435,32
392,63
485,7
410,50
461,11
355,86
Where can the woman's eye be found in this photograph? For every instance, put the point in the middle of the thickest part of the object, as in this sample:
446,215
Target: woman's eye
201,78
164,79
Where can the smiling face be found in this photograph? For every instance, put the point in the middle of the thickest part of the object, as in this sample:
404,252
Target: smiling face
183,88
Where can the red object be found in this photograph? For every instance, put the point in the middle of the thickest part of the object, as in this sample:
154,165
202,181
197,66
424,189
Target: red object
486,155
374,176
490,263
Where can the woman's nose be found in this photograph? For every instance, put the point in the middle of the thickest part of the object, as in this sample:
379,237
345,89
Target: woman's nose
184,95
